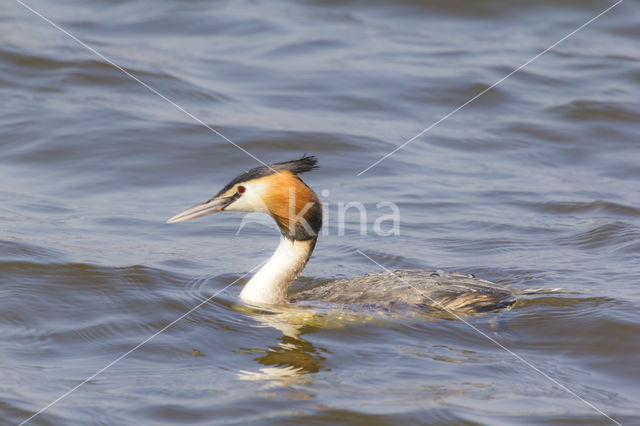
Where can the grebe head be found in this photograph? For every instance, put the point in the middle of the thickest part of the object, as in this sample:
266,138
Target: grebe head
276,190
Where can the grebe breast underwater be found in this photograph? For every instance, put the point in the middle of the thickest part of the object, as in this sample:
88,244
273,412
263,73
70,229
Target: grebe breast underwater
277,190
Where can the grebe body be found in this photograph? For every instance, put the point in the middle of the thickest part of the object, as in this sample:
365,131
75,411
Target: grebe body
435,290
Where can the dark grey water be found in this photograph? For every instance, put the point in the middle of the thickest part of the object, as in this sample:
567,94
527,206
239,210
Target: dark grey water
535,184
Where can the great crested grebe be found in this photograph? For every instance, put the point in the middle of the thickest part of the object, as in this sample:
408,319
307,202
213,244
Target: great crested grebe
278,191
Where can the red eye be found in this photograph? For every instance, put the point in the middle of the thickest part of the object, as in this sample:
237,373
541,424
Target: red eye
241,189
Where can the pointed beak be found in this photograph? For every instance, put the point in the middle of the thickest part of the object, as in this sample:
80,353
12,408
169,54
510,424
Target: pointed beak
213,205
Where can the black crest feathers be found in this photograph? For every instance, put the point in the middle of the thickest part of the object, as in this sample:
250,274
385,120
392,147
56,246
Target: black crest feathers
302,165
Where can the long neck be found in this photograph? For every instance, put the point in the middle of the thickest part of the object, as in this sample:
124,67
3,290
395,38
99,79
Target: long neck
270,284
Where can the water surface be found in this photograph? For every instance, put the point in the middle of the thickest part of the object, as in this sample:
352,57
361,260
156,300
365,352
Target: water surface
534,184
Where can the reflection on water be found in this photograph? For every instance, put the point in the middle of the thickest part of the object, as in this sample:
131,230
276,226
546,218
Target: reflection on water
289,363
292,359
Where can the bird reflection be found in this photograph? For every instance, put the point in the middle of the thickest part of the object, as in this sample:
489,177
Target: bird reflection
288,363
294,358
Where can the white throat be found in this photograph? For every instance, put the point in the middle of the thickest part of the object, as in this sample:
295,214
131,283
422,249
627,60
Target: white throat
270,284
